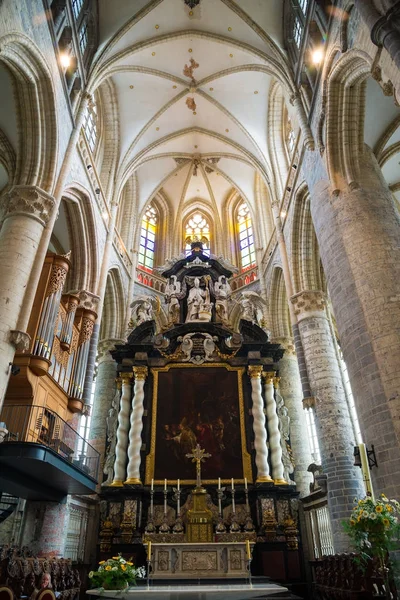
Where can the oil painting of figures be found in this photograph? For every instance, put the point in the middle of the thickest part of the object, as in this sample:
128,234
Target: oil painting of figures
198,406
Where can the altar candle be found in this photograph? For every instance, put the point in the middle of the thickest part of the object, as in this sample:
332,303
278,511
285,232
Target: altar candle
179,485
248,551
165,485
233,485
152,484
149,551
219,483
245,483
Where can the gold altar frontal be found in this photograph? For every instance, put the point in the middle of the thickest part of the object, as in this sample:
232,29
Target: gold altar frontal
199,519
204,560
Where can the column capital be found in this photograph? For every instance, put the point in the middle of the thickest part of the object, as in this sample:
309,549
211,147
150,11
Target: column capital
118,381
254,371
140,373
286,342
309,402
268,376
276,381
308,301
105,346
20,340
30,201
126,377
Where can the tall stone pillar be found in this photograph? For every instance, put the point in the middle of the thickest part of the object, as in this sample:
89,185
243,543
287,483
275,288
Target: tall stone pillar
135,432
103,396
335,433
358,233
122,431
26,211
290,388
274,435
260,432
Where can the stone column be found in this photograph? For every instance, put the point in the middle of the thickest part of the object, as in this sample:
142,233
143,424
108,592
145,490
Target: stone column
274,436
122,431
135,432
333,423
260,432
290,388
27,210
358,233
104,393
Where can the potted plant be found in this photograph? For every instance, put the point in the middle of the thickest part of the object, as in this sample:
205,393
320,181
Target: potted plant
374,530
116,573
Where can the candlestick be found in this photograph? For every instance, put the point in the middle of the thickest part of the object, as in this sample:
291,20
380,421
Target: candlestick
233,485
152,485
165,485
245,483
219,483
149,551
233,500
248,550
179,485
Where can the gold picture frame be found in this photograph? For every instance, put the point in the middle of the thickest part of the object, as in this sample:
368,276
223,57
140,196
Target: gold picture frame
151,457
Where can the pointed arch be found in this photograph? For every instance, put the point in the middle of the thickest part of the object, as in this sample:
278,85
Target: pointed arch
278,308
113,318
36,115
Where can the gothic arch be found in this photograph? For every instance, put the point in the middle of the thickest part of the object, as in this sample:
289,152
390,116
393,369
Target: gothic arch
279,318
306,272
113,319
37,151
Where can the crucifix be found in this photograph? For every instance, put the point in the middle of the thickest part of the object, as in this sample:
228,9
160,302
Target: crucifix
198,455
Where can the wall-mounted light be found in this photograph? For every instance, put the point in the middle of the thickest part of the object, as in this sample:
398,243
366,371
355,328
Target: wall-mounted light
65,60
317,56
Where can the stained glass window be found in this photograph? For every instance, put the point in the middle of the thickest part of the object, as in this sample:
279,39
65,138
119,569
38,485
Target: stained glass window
77,7
297,32
198,228
90,125
148,238
303,5
247,249
83,36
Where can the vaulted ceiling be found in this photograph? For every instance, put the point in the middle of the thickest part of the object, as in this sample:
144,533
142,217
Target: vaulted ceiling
192,89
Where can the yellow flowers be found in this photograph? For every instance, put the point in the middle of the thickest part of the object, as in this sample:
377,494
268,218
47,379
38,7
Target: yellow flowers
386,522
379,508
123,567
352,522
389,508
115,557
102,562
130,564
108,568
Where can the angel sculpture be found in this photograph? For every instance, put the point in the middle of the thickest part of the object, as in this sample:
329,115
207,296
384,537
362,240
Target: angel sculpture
143,309
253,307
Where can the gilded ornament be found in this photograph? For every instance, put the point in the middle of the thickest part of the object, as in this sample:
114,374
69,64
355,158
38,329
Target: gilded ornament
268,376
140,373
254,371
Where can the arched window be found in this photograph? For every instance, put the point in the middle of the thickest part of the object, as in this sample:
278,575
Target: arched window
77,7
197,228
247,251
83,36
148,238
90,125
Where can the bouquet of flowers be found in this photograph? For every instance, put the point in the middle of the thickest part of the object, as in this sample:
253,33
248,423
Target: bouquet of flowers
116,573
374,529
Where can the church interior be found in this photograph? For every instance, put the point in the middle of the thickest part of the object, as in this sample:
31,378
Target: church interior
199,294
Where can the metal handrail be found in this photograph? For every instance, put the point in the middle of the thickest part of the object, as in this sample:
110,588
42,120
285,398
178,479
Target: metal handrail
41,425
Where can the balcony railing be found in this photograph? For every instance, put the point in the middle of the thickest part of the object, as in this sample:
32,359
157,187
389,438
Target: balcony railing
40,425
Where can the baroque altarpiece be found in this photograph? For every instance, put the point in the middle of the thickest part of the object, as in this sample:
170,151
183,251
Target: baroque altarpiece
205,376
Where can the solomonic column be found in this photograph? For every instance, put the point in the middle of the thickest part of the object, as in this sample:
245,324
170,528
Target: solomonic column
260,432
122,431
135,432
291,390
26,210
274,435
333,422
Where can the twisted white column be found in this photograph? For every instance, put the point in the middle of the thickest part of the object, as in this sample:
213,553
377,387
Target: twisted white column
260,433
135,433
274,435
122,431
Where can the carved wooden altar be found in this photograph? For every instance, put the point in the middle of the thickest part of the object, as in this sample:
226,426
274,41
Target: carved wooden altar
202,371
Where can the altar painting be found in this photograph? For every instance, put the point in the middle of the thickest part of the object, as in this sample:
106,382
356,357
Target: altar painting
198,405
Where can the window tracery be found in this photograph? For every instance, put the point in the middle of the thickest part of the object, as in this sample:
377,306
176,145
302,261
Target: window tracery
148,238
90,125
77,7
197,228
247,251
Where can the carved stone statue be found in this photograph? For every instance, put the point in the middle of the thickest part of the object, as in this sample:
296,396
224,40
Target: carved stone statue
253,307
198,303
172,291
284,428
222,292
142,310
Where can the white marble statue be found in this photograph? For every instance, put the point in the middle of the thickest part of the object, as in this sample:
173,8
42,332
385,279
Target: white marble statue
172,292
198,303
143,309
222,292
253,307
